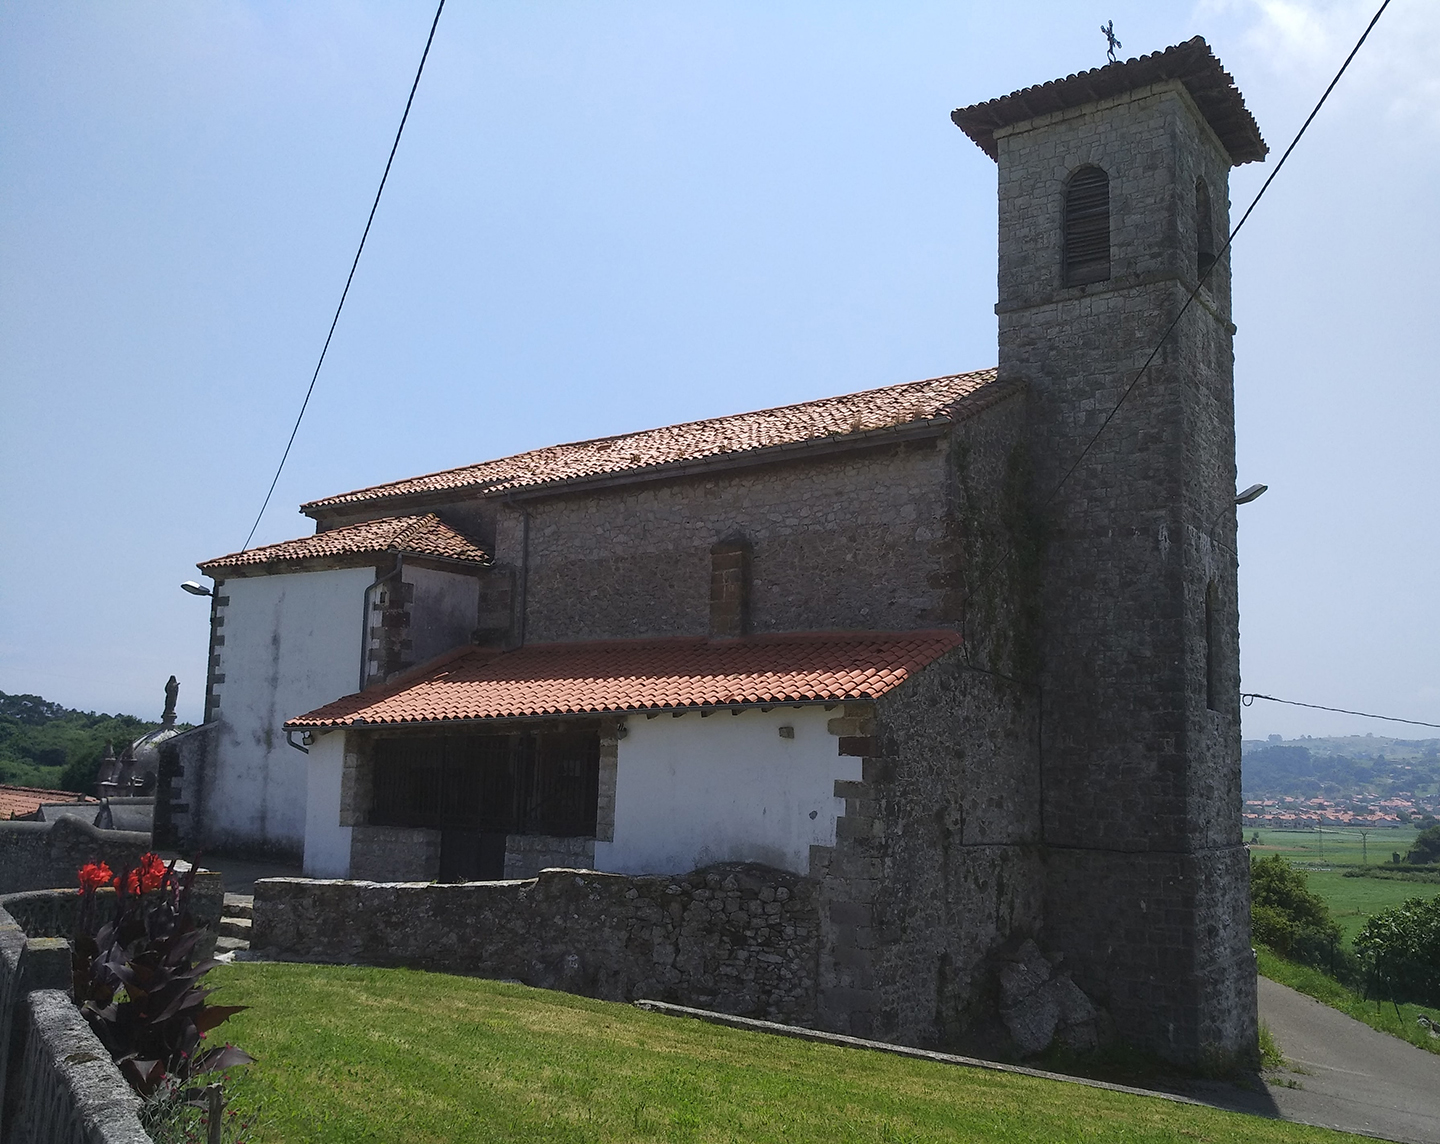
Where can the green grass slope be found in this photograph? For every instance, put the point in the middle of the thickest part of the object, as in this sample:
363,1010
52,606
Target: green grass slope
351,1054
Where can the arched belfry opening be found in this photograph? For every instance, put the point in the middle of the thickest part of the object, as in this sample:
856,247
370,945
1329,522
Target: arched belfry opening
1204,230
1087,227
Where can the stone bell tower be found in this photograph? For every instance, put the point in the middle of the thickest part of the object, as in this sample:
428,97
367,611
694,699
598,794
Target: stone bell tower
1113,205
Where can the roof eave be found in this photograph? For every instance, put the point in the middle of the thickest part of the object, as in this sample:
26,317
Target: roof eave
357,723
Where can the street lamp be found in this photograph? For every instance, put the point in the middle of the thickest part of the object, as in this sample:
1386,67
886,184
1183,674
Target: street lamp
196,589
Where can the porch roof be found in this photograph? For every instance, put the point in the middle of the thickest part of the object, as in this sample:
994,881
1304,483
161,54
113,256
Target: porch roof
616,676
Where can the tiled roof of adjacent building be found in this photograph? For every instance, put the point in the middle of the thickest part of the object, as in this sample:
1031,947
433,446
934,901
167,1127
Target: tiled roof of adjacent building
424,535
852,415
641,675
1192,63
23,801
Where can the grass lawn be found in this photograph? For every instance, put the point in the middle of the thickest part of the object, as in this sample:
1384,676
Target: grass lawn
1381,1015
349,1054
1353,901
1335,846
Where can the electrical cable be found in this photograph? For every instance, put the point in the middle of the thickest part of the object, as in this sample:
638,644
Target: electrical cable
1249,697
350,278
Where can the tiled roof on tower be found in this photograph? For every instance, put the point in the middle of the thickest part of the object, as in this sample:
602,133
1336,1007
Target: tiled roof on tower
1192,63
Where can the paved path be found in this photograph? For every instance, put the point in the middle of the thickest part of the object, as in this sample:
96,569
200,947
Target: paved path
1350,1076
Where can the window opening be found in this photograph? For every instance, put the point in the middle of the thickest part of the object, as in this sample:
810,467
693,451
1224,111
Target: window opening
1204,230
1087,227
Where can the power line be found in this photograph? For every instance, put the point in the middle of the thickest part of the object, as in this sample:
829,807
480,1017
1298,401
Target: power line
349,279
1249,697
1223,251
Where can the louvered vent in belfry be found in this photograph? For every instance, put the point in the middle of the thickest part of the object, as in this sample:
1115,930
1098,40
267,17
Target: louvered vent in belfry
1087,227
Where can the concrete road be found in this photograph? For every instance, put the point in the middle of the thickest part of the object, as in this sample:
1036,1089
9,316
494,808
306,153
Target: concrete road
1349,1076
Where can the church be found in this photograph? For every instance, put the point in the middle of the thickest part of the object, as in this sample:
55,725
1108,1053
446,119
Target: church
963,652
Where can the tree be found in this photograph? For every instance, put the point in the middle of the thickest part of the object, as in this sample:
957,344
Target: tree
1401,948
1284,910
1426,848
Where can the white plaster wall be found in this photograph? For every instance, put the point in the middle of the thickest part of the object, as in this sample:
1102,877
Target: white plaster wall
443,613
292,643
727,788
327,843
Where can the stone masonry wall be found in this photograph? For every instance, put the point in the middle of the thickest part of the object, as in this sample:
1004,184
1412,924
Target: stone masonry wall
834,544
1140,778
935,864
735,938
45,855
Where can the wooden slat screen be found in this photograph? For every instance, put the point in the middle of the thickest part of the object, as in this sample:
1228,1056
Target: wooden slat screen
1087,227
517,783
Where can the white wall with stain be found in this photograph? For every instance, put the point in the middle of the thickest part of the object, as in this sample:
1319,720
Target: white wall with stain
725,788
327,843
443,611
292,643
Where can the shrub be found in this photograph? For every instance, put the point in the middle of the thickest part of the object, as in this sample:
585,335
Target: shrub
136,979
1401,949
1283,907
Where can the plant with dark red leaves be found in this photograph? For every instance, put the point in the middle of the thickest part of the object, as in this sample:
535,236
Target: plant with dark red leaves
136,978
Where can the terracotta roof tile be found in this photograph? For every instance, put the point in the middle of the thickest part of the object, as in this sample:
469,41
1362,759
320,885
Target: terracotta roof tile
1192,63
641,675
947,397
425,535
23,801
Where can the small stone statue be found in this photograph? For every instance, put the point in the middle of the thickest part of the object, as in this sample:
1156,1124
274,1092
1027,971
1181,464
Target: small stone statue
172,692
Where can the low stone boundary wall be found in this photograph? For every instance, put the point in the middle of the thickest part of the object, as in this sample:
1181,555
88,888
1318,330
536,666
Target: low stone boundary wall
57,1082
44,855
70,1090
737,938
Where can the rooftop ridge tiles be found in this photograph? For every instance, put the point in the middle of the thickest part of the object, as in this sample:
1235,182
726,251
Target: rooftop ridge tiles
473,476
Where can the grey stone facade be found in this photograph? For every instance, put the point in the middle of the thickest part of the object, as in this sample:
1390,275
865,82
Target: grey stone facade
1141,798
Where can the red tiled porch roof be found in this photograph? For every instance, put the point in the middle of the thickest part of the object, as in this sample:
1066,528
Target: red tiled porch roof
641,675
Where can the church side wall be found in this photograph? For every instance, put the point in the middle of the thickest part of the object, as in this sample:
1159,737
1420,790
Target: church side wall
849,541
292,643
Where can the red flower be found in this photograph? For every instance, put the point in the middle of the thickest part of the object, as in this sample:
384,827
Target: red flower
152,872
93,876
145,877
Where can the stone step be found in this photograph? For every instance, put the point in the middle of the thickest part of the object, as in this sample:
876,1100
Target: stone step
235,927
225,944
239,905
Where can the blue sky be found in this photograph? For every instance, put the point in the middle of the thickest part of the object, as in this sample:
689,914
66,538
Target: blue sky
608,217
